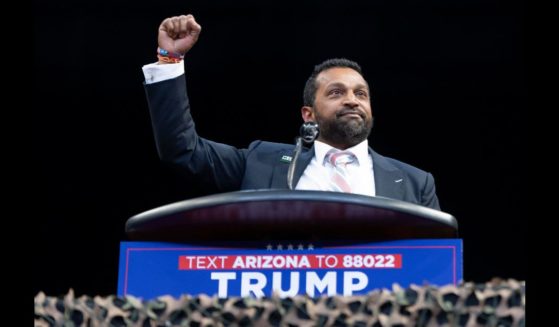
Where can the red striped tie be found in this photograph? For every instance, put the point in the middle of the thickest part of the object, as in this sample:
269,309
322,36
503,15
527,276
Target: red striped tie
339,176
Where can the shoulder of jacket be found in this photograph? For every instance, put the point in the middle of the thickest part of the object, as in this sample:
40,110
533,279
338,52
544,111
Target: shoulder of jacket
402,165
269,146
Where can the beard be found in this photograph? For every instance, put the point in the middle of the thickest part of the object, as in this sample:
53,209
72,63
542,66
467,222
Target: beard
344,131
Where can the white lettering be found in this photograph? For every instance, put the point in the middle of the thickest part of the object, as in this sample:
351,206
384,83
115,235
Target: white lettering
200,262
211,263
267,261
279,261
320,257
291,261
239,263
223,258
331,261
190,258
256,288
223,277
350,286
304,263
254,283
313,281
293,287
251,261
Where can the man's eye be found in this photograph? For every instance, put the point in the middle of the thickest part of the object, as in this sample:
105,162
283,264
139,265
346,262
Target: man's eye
336,92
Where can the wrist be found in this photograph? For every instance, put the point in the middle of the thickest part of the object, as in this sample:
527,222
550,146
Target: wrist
167,60
168,57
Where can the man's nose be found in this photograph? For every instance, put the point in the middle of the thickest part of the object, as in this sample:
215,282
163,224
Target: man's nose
351,100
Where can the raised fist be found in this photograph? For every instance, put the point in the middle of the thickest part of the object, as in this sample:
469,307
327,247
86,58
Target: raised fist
178,34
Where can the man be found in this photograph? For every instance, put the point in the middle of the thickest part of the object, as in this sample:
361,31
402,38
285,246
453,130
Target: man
336,96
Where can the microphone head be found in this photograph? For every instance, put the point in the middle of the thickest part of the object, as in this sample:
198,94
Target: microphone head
309,131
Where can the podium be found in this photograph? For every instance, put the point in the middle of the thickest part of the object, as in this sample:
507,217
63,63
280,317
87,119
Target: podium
262,241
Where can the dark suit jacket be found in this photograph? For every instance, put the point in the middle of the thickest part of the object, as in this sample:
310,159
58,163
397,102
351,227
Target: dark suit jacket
223,168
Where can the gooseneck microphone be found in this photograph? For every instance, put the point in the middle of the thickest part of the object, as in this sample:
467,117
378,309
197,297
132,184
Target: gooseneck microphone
308,133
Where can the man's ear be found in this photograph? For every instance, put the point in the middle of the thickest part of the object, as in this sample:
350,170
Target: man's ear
307,113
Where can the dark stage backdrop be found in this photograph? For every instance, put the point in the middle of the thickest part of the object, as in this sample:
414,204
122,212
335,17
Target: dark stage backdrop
448,86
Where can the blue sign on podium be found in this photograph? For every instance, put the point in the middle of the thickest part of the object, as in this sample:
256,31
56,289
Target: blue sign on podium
151,269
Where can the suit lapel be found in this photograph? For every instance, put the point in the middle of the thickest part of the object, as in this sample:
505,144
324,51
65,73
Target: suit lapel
389,180
304,160
279,178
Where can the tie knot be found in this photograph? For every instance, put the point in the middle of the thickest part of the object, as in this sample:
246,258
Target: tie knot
340,158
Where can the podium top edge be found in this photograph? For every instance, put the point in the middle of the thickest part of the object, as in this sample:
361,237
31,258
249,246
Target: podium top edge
273,195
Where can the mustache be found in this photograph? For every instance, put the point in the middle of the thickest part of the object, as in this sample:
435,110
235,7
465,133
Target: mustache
346,110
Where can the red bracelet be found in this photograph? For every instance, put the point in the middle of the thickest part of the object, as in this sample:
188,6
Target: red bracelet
168,59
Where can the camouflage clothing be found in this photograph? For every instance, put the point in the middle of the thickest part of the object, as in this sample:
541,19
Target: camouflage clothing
495,303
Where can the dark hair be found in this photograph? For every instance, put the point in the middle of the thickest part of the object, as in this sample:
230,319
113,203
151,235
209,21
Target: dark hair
309,93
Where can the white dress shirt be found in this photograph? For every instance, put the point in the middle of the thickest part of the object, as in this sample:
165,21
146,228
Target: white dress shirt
360,174
154,73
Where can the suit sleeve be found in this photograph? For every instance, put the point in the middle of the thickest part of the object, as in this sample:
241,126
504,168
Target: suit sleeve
218,167
428,194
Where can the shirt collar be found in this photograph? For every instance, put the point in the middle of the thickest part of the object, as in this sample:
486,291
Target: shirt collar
361,151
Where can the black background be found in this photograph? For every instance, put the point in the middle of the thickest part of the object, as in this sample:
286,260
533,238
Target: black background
447,80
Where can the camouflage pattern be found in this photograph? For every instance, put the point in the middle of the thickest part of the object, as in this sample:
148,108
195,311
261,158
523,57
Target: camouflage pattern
495,303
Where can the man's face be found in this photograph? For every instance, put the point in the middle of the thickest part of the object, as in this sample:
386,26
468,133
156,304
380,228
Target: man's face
342,108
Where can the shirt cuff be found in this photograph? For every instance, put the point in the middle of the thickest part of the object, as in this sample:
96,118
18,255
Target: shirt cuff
154,73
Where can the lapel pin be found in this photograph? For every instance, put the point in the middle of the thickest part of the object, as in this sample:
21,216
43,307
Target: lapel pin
286,158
